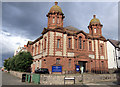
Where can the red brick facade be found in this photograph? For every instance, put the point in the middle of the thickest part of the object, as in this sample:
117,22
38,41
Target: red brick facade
70,45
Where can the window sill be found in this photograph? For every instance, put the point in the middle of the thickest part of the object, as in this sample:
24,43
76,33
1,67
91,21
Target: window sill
70,49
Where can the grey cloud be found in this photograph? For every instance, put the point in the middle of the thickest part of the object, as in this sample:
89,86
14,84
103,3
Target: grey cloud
18,43
80,14
5,56
4,32
26,17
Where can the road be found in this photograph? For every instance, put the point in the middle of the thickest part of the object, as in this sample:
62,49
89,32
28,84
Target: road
102,84
8,79
105,83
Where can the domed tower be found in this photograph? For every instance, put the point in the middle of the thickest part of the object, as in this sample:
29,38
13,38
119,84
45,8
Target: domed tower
55,17
95,27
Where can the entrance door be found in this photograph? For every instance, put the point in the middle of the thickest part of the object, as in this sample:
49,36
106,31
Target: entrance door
82,66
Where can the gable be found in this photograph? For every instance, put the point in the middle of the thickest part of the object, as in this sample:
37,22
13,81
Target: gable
81,33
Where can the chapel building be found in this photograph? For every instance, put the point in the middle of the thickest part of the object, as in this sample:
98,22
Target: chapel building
69,47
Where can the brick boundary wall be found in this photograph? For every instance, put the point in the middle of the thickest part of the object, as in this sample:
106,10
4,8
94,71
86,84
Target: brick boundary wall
58,79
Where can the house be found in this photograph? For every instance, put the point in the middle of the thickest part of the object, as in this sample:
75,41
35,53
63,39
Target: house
20,49
113,51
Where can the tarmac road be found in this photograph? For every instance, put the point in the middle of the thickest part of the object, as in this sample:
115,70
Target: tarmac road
8,79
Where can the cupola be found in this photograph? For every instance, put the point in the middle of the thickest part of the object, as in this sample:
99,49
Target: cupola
95,27
55,17
55,8
94,20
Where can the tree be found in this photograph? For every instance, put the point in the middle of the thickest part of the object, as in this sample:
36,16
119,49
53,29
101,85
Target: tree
7,64
12,63
23,61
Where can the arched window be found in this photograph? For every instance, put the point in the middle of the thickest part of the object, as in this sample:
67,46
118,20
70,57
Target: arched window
75,43
91,65
80,44
58,20
102,64
35,49
32,51
58,43
84,44
69,42
39,47
90,46
69,63
58,61
101,49
94,30
45,44
53,19
45,61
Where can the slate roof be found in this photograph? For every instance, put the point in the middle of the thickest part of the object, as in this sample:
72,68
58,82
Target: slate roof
114,42
71,28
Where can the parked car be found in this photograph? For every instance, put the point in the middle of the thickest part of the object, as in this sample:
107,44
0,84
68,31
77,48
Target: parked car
42,71
5,70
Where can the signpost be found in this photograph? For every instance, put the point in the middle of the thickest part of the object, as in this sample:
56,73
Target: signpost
56,68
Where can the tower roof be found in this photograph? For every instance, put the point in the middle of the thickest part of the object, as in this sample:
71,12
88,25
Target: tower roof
55,8
95,20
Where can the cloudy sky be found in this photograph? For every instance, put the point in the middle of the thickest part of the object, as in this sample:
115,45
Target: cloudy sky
23,21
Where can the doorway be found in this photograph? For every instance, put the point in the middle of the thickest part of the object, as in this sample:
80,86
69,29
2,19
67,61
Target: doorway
82,65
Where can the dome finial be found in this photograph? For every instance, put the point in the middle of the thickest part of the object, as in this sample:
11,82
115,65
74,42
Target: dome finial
56,3
94,16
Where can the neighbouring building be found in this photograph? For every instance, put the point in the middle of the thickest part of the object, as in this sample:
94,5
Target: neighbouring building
20,49
68,49
113,51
